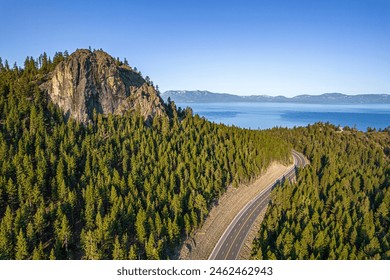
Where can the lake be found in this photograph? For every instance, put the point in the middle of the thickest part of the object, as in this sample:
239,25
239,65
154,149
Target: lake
268,115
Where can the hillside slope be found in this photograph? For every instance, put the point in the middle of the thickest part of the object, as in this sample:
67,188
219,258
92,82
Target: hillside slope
339,207
116,186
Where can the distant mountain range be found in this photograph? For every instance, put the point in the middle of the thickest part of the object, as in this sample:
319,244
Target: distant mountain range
198,96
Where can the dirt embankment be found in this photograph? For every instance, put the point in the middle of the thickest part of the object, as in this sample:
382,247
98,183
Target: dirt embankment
200,245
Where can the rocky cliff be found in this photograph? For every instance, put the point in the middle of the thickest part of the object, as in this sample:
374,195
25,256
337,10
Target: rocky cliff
93,81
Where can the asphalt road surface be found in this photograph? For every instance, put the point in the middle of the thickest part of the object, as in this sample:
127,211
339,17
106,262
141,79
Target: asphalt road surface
232,240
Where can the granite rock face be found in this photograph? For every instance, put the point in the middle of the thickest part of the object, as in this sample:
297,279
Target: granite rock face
93,81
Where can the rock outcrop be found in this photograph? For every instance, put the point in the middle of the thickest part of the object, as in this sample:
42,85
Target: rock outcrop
93,81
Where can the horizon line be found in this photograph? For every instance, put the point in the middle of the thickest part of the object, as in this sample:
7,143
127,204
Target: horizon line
279,95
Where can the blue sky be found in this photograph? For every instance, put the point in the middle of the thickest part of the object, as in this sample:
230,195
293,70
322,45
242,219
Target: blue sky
243,47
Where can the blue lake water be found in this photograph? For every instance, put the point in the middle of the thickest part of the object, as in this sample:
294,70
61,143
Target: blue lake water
268,115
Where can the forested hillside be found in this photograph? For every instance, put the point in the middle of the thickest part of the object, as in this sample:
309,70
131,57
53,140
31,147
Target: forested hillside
115,188
340,206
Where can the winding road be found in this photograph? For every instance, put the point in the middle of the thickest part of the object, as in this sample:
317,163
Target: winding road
232,240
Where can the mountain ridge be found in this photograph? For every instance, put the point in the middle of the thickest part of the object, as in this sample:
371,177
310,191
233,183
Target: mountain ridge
204,96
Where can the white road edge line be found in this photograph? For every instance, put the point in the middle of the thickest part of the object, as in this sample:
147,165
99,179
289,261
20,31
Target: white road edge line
239,215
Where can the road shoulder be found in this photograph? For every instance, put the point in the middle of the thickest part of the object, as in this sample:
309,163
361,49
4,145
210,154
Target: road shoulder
201,243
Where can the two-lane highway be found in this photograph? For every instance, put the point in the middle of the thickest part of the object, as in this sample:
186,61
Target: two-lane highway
232,240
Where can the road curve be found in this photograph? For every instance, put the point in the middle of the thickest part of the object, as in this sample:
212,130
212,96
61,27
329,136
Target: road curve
232,240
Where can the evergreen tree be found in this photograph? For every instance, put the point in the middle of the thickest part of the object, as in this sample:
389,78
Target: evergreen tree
21,250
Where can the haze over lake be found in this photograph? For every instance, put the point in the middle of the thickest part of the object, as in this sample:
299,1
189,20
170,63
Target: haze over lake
268,115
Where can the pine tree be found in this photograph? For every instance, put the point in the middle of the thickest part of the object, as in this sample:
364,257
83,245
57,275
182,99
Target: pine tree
21,247
38,253
140,226
64,233
90,246
118,253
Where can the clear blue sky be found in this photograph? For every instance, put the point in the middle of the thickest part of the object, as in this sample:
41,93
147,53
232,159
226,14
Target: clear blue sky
246,47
